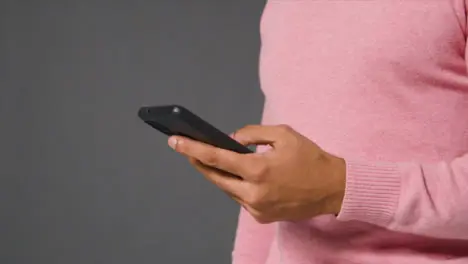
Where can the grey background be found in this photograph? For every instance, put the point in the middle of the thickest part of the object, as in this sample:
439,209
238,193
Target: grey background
82,179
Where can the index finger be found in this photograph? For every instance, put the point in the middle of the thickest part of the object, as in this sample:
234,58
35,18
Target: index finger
226,160
235,187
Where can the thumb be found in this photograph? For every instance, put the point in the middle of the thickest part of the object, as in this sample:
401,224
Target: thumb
257,135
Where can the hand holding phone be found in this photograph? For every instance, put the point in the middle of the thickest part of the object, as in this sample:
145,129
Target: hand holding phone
178,120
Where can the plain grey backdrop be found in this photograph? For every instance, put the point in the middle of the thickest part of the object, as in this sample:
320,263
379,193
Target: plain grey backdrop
82,179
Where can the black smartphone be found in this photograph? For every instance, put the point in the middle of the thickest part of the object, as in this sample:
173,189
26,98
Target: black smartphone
178,120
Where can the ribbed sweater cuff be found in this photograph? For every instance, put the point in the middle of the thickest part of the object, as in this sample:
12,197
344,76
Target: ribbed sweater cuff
372,192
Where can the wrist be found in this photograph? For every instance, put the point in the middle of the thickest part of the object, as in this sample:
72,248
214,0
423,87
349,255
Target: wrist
337,174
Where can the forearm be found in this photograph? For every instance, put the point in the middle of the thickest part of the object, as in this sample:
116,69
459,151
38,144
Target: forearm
424,199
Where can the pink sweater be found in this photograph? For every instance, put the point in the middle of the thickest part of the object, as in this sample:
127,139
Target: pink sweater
384,84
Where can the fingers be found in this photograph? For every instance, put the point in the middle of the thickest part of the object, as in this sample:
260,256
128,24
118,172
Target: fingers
237,164
261,134
233,186
234,190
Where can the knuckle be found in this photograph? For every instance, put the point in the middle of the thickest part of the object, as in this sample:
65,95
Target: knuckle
259,171
211,158
262,219
252,199
285,129
260,215
256,199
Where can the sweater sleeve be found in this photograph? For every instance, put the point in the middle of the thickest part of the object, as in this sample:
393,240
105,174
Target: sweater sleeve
422,199
253,240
